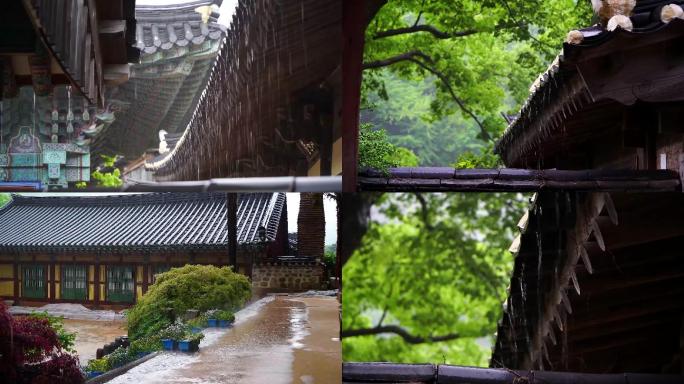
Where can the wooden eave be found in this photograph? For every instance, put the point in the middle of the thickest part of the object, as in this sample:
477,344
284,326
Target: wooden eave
272,52
613,70
609,286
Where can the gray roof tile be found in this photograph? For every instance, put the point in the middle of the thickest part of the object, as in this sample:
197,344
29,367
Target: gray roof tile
160,221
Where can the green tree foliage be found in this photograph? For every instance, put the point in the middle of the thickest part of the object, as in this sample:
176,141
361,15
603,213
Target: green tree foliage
439,73
436,267
110,179
201,287
376,152
4,199
486,158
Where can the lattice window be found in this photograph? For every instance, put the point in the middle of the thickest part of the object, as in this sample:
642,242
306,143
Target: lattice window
120,284
33,281
74,282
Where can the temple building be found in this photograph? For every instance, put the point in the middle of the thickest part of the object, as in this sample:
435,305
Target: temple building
106,250
598,276
596,292
178,44
56,58
272,104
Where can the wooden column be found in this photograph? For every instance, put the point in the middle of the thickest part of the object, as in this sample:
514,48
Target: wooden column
16,278
681,169
145,274
53,296
96,279
353,28
134,267
231,207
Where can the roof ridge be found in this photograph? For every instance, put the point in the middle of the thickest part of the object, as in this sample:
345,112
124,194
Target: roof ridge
177,6
116,199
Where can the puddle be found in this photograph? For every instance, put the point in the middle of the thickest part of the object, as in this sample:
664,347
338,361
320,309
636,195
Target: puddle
93,334
278,339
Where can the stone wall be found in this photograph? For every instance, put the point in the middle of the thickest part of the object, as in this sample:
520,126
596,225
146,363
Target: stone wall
294,276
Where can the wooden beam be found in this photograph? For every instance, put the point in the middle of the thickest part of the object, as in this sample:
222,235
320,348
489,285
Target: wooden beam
442,179
231,207
353,33
97,53
451,374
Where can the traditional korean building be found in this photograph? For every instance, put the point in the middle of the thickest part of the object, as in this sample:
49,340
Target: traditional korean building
178,44
598,277
56,57
596,293
106,250
272,103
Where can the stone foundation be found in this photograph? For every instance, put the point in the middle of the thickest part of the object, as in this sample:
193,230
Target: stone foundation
295,276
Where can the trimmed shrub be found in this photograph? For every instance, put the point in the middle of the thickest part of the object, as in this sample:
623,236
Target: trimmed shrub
200,287
224,315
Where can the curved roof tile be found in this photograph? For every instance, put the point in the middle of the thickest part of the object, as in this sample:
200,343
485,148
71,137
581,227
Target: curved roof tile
120,223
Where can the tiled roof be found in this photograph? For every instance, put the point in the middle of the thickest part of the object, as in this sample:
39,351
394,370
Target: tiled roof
559,82
178,50
163,27
163,222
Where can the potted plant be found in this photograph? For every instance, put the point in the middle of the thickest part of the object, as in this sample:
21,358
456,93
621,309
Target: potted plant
191,342
225,318
96,367
172,334
212,321
197,324
146,345
120,357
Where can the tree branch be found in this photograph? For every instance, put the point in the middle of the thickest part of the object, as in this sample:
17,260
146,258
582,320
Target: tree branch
412,56
441,34
399,331
423,28
396,59
424,211
420,14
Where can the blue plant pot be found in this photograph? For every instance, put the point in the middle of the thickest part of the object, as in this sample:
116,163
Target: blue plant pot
212,322
196,330
188,346
168,344
93,374
184,345
225,323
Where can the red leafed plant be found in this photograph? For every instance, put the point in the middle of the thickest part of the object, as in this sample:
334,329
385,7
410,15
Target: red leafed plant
30,352
34,339
60,369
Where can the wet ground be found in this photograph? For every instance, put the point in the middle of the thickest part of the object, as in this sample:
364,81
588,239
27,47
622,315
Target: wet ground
93,334
278,339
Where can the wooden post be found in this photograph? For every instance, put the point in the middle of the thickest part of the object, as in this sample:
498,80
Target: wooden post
145,274
681,169
96,278
231,207
16,278
53,296
353,28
